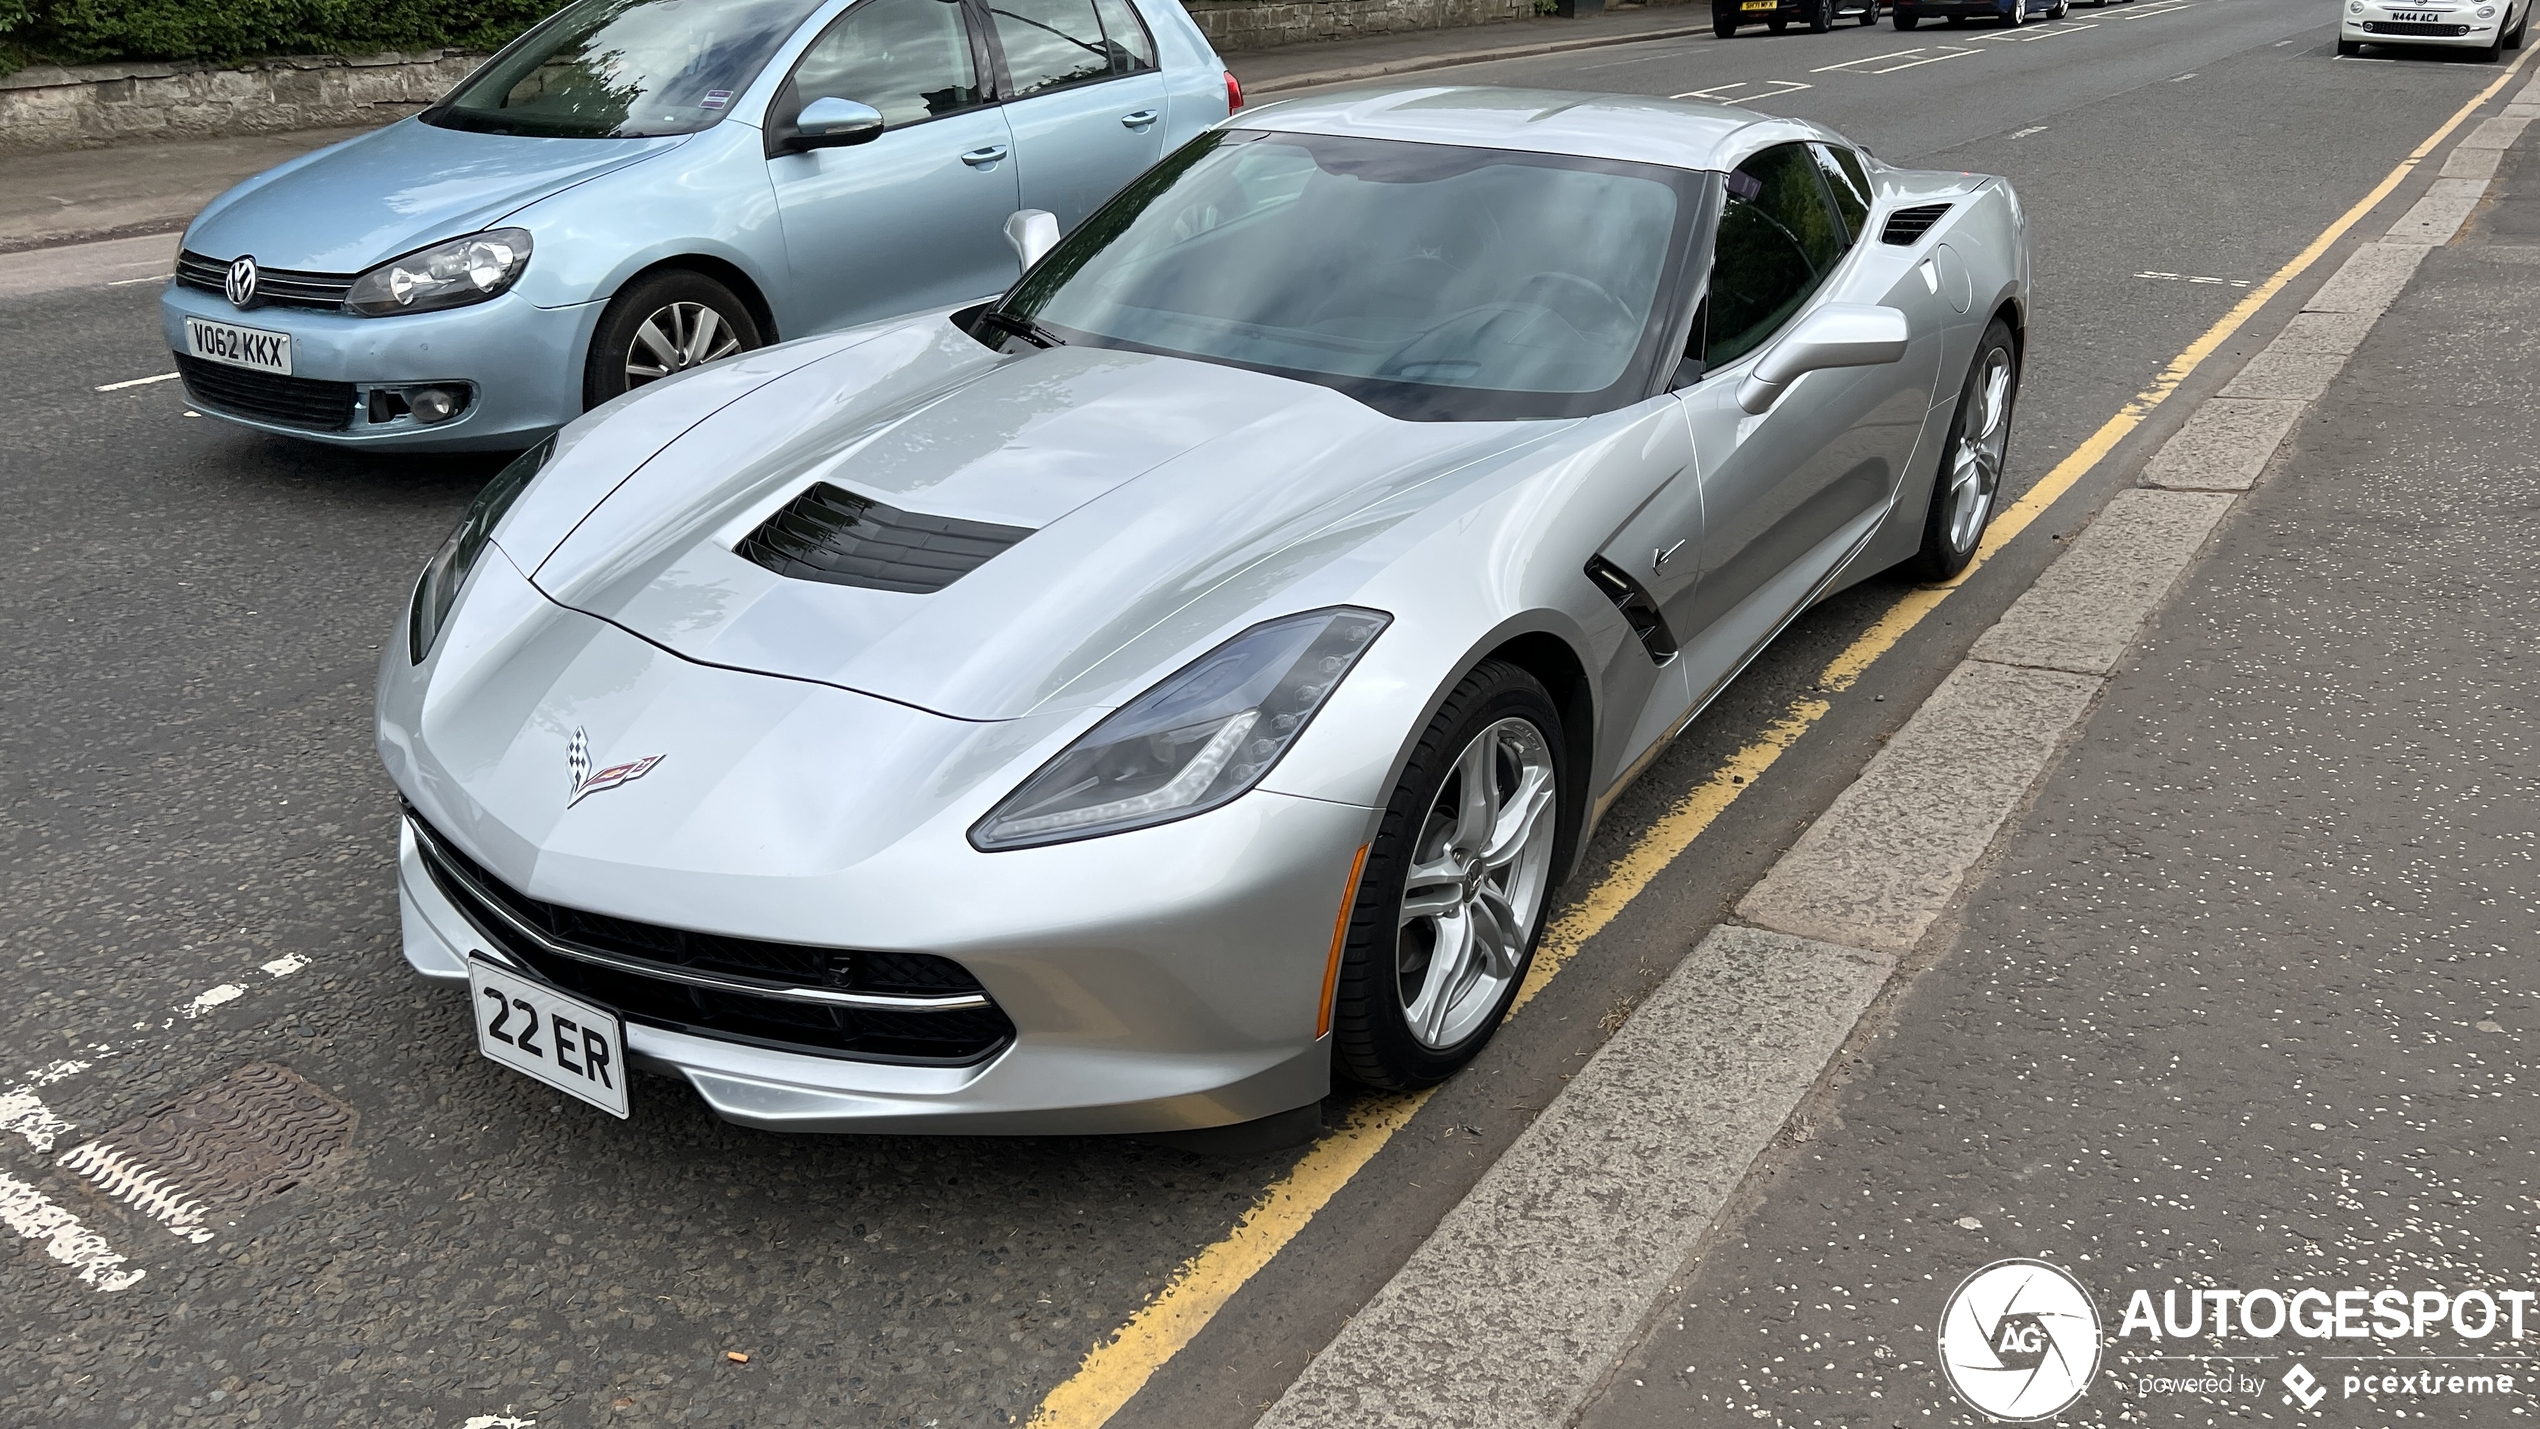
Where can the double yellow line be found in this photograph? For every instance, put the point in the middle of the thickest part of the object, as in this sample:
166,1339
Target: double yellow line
1119,1367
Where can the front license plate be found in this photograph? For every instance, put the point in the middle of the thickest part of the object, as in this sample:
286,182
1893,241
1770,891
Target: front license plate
569,1044
238,346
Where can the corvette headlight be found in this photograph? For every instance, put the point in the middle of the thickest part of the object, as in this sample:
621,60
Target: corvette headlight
1204,735
448,568
449,275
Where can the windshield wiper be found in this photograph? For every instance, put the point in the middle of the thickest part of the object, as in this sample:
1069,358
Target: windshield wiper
1023,328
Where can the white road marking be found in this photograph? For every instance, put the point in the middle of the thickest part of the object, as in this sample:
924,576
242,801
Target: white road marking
286,965
33,1215
2024,133
25,1113
140,1185
207,1000
152,278
138,382
1954,54
2183,78
2190,278
1718,93
1865,60
2027,33
498,1421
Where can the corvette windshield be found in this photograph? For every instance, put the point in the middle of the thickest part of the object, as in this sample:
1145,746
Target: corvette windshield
623,69
1429,281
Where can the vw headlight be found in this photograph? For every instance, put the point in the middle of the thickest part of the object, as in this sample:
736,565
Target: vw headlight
449,275
448,568
1204,735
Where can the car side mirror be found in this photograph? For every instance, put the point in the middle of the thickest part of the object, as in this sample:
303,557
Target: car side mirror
831,123
1033,232
1835,335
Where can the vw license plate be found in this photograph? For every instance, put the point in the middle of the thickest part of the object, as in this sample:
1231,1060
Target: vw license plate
238,346
571,1045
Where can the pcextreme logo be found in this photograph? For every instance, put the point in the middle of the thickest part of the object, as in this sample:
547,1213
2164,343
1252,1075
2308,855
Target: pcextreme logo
2019,1340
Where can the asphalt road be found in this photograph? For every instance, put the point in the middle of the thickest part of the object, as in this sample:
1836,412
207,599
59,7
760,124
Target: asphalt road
187,795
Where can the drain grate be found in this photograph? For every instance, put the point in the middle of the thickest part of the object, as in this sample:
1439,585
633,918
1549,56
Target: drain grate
217,1150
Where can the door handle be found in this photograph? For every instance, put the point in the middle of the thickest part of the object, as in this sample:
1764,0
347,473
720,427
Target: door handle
984,157
1139,120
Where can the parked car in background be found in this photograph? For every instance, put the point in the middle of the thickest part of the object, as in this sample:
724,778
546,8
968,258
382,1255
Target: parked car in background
1909,13
636,187
1779,15
2490,27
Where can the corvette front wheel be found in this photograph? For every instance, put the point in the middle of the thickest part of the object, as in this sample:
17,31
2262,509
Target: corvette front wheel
1456,886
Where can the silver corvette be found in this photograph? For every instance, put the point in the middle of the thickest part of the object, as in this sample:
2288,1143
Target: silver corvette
1130,703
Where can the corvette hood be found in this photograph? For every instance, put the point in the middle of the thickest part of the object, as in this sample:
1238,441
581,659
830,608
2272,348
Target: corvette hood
389,192
1163,498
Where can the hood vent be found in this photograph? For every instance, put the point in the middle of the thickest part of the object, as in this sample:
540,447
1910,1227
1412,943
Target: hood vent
1906,226
830,534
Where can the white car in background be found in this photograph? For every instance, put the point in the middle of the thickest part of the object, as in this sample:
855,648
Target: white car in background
2491,26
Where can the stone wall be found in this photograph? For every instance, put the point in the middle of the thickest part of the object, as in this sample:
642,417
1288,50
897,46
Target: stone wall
1234,26
86,106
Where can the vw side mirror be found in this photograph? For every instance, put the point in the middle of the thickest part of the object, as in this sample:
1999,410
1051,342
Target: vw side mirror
831,123
1836,335
1033,232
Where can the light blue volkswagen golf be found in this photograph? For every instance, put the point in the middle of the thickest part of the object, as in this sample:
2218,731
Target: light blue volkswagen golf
635,187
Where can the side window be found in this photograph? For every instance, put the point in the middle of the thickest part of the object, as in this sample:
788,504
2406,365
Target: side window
1050,43
1779,237
1847,182
1132,48
908,58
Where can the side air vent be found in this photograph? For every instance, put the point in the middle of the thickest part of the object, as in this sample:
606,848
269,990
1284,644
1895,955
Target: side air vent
1633,599
1906,226
833,535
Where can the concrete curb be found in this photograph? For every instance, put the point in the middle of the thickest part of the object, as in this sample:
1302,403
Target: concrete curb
1550,1261
1532,1288
1412,63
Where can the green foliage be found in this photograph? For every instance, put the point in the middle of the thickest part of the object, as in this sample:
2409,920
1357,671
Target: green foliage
89,31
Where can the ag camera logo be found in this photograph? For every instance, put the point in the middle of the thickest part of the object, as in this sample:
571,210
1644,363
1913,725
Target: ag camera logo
2019,1340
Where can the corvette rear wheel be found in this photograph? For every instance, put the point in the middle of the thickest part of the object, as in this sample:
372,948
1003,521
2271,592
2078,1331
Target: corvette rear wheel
660,325
1969,483
1456,886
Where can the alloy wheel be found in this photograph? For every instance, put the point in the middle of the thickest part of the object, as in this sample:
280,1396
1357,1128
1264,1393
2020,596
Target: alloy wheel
676,337
1975,468
1476,883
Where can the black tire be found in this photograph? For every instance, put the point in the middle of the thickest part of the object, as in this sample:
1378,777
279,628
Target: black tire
1821,19
2349,49
657,297
1870,14
1906,20
1372,1040
2494,52
1722,25
1945,553
2017,17
2513,37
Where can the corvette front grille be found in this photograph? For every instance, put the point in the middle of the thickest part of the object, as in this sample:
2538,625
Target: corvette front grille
869,1006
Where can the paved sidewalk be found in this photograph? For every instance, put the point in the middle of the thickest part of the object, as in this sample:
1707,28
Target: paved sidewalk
83,195
1268,73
